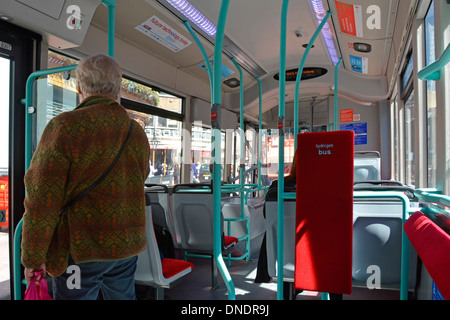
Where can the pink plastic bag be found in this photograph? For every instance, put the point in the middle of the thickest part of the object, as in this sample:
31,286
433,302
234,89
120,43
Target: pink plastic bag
37,292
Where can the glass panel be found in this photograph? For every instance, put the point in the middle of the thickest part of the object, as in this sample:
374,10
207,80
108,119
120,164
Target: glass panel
409,141
165,147
407,73
272,152
431,98
396,144
144,94
54,95
4,141
4,181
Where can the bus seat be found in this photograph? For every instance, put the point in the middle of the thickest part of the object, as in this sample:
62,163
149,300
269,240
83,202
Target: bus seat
433,246
161,207
193,217
366,166
193,208
250,230
289,237
377,234
154,271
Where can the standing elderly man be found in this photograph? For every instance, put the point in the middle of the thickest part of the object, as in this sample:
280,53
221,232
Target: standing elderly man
100,235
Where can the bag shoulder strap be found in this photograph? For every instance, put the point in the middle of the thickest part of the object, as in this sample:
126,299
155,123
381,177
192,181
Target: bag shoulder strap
102,177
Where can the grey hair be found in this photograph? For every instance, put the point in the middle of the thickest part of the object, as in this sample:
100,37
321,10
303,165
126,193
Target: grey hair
99,75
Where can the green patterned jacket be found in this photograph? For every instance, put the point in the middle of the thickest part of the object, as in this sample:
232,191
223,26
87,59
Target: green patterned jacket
75,149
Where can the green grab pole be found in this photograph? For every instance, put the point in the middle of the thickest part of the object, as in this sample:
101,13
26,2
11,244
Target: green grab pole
111,4
241,133
433,71
404,272
300,72
336,94
203,52
281,113
17,261
216,140
259,132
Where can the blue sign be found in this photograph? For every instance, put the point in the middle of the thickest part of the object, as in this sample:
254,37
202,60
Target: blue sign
360,130
226,72
435,293
356,63
359,64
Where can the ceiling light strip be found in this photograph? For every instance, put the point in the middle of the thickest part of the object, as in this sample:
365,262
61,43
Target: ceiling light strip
319,14
190,12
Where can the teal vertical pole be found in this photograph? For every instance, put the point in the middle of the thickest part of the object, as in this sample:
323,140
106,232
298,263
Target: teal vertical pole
241,133
299,75
404,274
281,114
336,128
259,132
111,5
17,261
216,139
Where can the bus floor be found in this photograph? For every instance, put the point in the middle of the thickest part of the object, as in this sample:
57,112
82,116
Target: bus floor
197,286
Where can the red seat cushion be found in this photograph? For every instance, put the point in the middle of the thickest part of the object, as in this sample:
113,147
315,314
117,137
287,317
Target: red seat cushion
172,267
433,247
324,212
229,240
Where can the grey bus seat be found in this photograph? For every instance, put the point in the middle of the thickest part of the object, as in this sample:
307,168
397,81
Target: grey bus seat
367,166
193,208
289,239
154,271
377,238
249,230
161,207
193,218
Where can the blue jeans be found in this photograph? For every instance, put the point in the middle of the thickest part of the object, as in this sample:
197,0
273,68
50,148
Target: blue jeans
115,279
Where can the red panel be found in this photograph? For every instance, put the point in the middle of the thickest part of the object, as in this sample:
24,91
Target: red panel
433,247
324,206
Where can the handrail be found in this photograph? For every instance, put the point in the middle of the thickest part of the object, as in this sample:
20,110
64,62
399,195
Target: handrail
432,195
203,52
300,71
336,95
111,5
216,140
281,194
281,115
433,71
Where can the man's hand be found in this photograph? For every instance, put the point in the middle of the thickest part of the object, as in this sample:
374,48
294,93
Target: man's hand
29,273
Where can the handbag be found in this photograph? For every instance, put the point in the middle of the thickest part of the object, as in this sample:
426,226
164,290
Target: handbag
39,291
59,249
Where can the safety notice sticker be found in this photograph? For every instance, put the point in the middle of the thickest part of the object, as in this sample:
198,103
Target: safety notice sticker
350,18
161,32
359,64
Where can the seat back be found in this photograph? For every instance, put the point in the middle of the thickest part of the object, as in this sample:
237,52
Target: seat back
193,214
149,267
367,166
289,238
161,208
377,234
